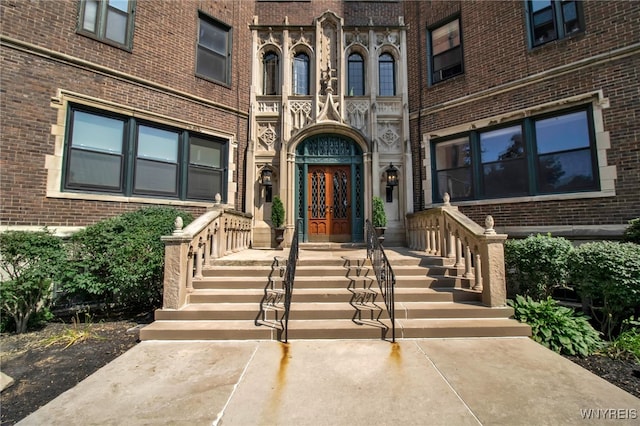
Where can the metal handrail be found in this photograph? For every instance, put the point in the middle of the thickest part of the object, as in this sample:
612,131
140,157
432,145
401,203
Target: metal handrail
289,277
384,273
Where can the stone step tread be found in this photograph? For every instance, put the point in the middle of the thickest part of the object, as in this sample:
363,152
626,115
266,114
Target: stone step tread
459,323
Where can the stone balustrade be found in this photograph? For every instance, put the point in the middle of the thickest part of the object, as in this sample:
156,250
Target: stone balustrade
445,231
216,233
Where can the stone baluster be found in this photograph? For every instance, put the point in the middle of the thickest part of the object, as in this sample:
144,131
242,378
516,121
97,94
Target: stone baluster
190,270
478,278
458,243
198,259
467,261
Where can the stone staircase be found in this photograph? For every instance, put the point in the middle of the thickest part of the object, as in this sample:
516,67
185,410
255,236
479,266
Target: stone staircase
335,296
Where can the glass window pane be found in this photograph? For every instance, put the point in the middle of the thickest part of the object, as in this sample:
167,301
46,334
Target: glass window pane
301,74
152,176
570,171
446,37
537,5
213,37
456,182
90,15
157,144
97,133
386,77
122,5
453,154
271,74
205,153
562,133
502,144
356,75
211,65
116,26
204,184
94,169
506,178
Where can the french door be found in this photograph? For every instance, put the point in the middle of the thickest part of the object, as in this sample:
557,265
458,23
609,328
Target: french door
328,204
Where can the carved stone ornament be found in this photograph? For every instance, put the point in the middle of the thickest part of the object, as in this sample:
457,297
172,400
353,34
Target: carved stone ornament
488,224
446,198
178,224
267,136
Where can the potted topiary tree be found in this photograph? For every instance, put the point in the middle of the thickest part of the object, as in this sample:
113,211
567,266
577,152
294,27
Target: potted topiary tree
379,218
277,220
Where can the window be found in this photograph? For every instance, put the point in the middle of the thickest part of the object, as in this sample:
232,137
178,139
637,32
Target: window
301,74
453,168
540,155
386,75
564,159
271,74
107,20
553,19
128,156
214,50
503,159
355,75
446,51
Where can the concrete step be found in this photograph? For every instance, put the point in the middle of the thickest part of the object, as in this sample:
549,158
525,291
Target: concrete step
464,327
261,282
417,310
207,330
339,329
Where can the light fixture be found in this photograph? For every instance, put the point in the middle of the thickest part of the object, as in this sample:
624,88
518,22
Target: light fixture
392,181
266,177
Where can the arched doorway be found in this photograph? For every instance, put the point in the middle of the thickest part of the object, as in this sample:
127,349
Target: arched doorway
330,189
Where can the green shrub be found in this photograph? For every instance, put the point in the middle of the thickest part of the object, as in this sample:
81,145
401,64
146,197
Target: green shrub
627,344
121,260
536,265
556,327
632,233
379,215
277,212
607,275
30,262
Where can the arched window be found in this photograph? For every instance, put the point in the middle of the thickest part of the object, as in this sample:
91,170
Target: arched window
301,74
386,75
355,75
271,74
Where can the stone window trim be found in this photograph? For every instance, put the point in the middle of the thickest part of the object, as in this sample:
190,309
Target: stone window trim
54,163
99,32
607,173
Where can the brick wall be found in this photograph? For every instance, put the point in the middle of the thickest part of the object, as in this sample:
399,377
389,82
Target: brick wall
164,47
496,53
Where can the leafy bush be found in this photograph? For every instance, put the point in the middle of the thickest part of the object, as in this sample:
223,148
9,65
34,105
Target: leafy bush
632,233
277,212
627,344
121,260
379,215
558,328
536,265
607,275
30,262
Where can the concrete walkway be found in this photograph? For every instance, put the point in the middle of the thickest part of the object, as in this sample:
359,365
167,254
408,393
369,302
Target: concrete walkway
497,381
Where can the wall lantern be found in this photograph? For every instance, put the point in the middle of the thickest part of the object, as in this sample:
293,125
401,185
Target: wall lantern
266,177
392,181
